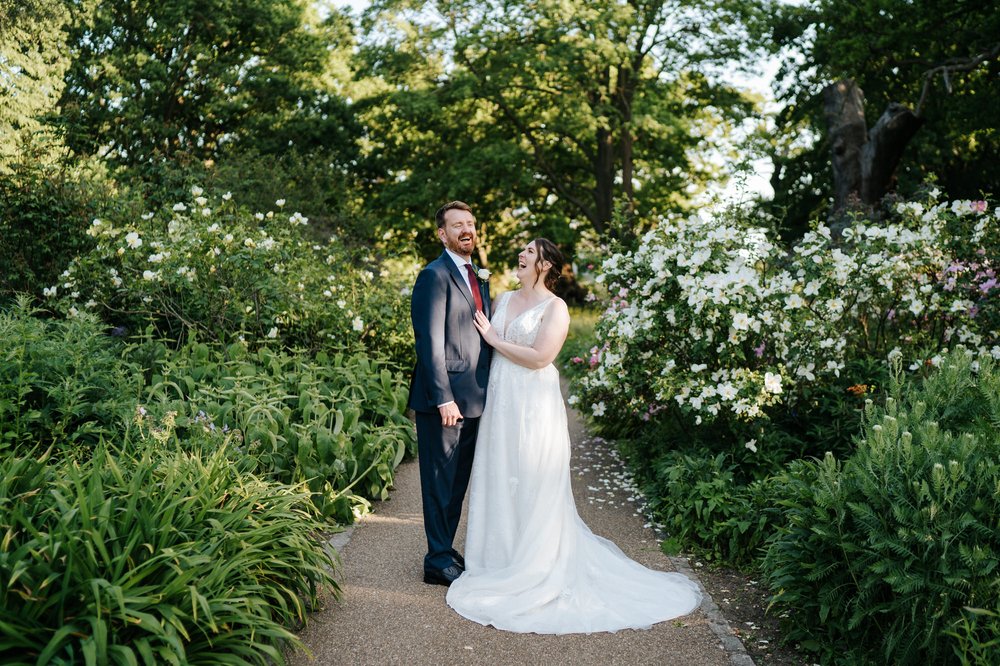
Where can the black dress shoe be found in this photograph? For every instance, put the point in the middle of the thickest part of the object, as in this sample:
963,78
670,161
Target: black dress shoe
445,576
459,560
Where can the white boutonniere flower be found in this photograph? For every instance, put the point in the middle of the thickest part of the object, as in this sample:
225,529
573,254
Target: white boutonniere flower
483,275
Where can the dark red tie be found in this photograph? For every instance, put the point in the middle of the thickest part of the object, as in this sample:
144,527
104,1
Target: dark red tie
474,283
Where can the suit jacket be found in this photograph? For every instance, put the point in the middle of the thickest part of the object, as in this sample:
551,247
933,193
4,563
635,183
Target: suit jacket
453,361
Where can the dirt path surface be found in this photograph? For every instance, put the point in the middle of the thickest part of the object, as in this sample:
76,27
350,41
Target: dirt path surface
388,615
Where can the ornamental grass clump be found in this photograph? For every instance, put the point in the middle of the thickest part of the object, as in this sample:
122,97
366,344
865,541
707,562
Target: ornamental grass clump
881,557
154,556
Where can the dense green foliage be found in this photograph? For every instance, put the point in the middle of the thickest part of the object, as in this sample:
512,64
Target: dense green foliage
544,112
208,73
212,268
44,210
62,384
152,555
168,506
880,554
335,423
33,62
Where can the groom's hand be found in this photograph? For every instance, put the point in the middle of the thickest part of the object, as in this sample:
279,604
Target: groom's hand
450,414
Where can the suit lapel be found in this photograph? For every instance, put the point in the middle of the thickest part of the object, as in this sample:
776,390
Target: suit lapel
459,279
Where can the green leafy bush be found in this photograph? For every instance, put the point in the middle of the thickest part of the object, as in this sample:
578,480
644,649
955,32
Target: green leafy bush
879,554
703,501
44,214
62,383
977,636
153,556
335,422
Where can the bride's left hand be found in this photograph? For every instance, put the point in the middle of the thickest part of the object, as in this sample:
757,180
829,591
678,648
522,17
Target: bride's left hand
485,328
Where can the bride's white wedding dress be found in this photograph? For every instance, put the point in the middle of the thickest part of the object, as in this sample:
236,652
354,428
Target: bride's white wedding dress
532,565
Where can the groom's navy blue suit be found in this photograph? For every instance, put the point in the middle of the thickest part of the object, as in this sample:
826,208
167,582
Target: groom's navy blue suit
452,365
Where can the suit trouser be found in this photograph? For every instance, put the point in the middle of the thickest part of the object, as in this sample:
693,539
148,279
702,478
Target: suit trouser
445,455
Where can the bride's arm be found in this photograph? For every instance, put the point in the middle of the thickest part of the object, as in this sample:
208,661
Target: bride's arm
548,342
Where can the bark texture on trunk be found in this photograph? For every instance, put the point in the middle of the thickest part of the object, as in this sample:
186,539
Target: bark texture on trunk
881,155
864,161
844,109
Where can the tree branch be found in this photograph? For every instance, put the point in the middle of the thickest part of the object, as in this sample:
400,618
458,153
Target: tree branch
953,65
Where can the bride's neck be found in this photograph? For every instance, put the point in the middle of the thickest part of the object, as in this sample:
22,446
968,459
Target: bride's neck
535,292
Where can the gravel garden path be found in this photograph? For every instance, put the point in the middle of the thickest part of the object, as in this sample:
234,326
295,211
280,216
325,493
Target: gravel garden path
388,615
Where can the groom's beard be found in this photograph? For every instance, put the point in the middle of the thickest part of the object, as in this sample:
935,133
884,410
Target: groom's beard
462,249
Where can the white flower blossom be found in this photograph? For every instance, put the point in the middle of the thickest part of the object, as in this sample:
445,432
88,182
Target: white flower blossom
772,382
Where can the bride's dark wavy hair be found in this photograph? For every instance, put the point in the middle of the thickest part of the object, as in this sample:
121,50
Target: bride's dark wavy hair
547,251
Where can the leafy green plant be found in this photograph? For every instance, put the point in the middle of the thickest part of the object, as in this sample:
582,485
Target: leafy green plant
977,635
44,213
62,382
711,318
335,422
153,555
878,555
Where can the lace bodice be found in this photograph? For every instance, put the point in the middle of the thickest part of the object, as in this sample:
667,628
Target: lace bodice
523,329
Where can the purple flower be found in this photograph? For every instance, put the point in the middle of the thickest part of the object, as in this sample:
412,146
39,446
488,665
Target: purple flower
986,286
759,351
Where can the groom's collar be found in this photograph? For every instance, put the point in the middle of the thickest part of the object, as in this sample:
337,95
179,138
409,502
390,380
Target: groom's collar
459,260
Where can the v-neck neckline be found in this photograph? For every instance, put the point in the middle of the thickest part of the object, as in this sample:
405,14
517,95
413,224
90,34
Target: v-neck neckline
508,322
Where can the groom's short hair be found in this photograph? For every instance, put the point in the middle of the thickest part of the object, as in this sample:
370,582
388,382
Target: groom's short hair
460,205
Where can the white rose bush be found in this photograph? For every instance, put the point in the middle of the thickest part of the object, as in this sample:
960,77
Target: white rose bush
210,267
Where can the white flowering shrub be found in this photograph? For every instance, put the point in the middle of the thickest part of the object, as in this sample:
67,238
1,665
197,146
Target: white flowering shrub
209,266
711,321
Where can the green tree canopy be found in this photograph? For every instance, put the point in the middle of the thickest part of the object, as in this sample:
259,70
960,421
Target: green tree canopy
32,64
152,79
937,57
543,113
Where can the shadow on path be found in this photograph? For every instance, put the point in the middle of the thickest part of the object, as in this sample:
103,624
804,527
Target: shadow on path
387,615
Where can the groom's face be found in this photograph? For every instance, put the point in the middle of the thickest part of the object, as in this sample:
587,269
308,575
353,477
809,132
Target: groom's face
458,232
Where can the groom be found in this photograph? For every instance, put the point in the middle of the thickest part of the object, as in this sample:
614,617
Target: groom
448,388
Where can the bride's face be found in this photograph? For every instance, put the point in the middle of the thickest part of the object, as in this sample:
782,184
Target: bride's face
529,270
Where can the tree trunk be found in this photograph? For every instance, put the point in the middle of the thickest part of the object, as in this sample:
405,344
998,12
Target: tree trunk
884,149
844,108
864,161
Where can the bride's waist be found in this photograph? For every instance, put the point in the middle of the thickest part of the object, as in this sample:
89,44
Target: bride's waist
504,362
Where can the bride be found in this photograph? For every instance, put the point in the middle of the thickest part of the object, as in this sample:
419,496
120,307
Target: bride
532,565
